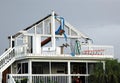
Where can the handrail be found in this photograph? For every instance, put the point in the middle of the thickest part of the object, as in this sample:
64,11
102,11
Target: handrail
109,46
8,55
6,52
21,75
11,79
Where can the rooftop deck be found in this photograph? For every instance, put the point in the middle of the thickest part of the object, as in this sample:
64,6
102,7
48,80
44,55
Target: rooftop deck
86,52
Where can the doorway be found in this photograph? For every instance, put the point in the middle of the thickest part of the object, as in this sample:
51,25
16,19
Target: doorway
78,68
4,75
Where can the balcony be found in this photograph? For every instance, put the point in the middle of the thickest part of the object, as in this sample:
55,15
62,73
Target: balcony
85,51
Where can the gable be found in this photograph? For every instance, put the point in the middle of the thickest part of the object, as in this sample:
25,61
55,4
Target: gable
43,27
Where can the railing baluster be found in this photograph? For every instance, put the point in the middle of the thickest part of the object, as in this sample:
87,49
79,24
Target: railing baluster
44,78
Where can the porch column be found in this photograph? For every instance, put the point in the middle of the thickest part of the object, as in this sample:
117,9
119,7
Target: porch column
69,73
86,77
104,66
30,71
50,67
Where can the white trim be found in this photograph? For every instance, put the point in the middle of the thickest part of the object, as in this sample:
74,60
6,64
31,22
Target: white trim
67,57
69,71
43,26
50,67
53,30
103,65
50,74
37,59
30,70
87,69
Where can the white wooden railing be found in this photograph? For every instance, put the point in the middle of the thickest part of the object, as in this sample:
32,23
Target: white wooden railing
97,50
10,79
44,78
8,55
85,51
20,50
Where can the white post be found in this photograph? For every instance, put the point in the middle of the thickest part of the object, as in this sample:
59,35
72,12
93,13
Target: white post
35,28
86,78
0,77
43,27
104,66
53,30
36,44
30,71
11,41
40,49
50,67
69,73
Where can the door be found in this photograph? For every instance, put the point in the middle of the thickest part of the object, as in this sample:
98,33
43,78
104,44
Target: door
4,75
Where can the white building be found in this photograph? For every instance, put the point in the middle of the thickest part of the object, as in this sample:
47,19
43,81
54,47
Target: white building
51,51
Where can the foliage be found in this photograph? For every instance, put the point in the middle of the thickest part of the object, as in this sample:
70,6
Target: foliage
24,80
110,75
16,81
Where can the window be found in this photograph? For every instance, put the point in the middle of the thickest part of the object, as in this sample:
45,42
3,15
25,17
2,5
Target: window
22,68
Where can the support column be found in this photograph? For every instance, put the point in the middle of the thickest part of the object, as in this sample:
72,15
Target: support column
50,67
11,41
30,70
86,78
53,30
69,72
104,66
36,44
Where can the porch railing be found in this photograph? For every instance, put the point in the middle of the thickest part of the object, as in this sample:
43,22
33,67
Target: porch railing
44,78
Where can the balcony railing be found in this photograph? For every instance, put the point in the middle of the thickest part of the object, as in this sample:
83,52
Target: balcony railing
96,50
21,50
84,51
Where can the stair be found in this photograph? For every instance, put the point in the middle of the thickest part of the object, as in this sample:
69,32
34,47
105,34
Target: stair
6,59
9,57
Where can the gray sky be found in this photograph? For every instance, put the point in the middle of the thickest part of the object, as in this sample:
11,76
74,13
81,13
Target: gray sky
98,19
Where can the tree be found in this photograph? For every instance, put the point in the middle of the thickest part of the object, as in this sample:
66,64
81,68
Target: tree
110,75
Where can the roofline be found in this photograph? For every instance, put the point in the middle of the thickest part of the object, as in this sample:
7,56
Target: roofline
37,22
17,34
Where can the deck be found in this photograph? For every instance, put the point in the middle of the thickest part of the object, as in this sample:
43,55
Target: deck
90,52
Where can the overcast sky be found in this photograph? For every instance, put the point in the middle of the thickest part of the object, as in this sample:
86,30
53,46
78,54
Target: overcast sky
98,19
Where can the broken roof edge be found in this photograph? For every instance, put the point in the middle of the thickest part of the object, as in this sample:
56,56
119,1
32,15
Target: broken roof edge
17,34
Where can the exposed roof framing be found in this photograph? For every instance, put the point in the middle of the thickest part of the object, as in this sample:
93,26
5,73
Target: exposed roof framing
17,34
70,27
